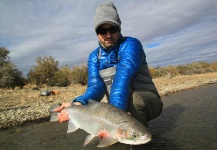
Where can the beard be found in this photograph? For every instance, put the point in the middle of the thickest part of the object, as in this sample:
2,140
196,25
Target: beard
108,43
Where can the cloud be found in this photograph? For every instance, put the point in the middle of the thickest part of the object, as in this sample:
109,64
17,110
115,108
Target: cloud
172,32
158,18
197,43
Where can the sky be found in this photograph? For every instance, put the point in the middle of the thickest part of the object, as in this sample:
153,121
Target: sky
172,32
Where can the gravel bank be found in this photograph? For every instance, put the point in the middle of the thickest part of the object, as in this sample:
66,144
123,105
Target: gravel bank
21,106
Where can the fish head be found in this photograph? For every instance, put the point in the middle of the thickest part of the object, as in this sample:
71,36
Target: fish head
133,135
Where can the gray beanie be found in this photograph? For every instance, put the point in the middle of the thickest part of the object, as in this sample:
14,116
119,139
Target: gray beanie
106,13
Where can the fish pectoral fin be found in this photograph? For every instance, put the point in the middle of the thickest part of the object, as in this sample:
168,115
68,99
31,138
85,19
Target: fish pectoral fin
88,139
107,141
72,127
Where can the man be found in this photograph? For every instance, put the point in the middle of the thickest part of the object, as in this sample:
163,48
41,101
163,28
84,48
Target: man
118,68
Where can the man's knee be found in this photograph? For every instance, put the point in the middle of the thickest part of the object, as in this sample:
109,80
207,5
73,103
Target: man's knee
148,102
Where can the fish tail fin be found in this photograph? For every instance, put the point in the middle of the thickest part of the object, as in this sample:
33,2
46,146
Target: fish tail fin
53,114
54,117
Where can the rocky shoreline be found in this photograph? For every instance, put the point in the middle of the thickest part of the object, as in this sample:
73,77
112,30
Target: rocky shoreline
21,106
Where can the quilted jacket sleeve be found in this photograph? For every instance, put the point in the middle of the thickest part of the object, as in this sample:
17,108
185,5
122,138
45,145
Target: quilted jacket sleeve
131,56
96,88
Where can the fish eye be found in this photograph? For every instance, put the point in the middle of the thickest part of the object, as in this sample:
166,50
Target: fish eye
135,135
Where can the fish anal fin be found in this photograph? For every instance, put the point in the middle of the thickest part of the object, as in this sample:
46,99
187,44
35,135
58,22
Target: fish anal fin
72,127
88,139
105,139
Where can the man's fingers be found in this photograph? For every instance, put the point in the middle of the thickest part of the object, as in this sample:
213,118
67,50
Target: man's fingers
59,109
77,103
64,105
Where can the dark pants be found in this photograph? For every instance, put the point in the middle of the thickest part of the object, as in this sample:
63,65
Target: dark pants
144,106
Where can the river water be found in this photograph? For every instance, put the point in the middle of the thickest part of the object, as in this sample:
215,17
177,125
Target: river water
188,122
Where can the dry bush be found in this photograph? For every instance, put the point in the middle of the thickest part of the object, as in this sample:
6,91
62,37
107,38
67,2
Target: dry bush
10,76
62,77
172,71
213,66
189,69
158,72
153,72
44,71
79,75
199,67
183,70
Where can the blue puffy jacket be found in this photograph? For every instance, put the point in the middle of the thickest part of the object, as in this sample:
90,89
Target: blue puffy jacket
128,56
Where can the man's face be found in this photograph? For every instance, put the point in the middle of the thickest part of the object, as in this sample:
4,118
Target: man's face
108,35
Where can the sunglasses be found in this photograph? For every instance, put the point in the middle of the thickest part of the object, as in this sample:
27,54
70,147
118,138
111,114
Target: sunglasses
103,31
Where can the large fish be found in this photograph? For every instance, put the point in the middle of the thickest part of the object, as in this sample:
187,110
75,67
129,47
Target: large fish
107,122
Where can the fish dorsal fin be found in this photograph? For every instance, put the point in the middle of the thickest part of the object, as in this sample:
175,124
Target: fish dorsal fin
105,139
72,127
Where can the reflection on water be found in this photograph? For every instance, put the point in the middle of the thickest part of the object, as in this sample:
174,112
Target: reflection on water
188,121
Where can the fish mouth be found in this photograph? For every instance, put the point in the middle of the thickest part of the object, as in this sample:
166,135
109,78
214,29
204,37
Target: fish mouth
144,139
141,140
138,141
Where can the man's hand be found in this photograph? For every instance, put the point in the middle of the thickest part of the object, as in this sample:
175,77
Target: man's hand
63,116
77,103
64,105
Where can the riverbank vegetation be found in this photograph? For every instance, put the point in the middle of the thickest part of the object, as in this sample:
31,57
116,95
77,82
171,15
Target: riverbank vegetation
47,73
